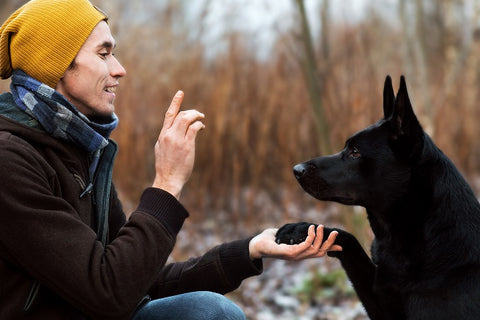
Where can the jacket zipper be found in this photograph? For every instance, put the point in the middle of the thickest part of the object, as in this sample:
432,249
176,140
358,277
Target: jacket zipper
86,188
32,295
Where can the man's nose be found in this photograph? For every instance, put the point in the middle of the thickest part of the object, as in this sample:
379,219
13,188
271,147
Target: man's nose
117,70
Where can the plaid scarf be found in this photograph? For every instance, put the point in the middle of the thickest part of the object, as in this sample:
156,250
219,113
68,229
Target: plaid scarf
57,115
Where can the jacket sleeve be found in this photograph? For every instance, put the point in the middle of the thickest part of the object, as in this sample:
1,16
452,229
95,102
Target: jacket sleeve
221,269
42,235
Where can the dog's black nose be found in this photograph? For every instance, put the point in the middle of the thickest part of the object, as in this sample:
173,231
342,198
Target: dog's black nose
299,170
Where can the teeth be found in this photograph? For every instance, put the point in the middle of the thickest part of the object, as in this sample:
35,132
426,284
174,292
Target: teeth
111,89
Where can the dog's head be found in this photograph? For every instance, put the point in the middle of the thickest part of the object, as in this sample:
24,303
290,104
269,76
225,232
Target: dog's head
375,162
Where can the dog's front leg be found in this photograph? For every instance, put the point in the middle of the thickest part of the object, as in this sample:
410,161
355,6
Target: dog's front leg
357,264
361,271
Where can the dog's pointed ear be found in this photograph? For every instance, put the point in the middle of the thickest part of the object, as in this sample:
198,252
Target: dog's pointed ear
407,133
388,98
405,120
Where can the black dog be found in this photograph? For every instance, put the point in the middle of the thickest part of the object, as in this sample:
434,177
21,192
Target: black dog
426,220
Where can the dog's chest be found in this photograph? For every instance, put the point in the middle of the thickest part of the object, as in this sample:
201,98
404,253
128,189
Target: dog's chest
394,264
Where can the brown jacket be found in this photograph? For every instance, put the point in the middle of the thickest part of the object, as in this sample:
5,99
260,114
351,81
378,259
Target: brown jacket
47,235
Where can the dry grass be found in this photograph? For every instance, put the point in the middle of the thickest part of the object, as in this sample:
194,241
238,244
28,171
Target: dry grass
259,121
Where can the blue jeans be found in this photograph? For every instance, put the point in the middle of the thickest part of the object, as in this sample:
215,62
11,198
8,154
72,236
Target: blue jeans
199,305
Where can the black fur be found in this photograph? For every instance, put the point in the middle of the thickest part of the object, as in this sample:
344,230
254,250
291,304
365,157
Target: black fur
426,219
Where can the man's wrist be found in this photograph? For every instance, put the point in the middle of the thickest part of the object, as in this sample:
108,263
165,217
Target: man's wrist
252,249
173,190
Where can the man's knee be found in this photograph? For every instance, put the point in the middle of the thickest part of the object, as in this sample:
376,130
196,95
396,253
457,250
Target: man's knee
199,305
220,306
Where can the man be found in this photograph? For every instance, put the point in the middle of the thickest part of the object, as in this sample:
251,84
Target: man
66,249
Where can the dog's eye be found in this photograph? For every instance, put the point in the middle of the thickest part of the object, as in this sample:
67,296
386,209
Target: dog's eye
354,153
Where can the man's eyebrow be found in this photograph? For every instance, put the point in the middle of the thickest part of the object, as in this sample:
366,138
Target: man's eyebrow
107,45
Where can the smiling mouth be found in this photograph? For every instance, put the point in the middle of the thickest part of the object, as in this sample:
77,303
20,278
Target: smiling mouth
111,89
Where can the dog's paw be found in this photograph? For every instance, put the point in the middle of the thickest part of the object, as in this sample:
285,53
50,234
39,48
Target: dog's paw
293,233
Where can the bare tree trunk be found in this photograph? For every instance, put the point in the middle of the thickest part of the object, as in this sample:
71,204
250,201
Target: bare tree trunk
313,77
416,58
421,53
408,54
461,54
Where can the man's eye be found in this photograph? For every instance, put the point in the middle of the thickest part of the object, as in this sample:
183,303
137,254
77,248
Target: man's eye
355,153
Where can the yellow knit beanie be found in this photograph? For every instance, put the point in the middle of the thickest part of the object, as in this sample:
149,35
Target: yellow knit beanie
43,37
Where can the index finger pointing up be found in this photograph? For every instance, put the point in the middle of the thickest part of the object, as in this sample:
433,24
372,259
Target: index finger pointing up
173,109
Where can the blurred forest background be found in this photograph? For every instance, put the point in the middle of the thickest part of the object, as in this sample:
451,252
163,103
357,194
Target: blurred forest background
280,82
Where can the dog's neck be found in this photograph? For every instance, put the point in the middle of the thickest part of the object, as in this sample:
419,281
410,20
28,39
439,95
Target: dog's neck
426,209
